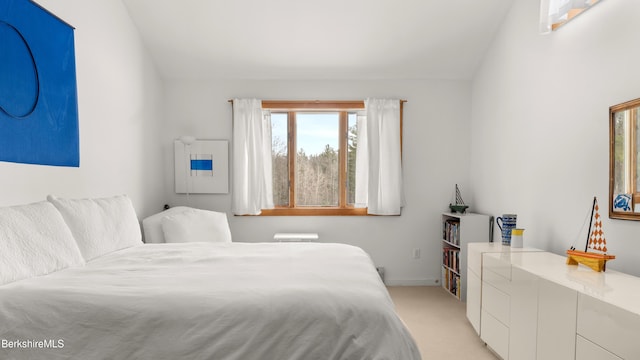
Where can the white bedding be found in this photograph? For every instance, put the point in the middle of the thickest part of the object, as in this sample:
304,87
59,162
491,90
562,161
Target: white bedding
266,301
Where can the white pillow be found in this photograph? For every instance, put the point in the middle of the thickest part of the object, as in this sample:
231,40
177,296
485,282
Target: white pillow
195,225
34,240
152,225
100,226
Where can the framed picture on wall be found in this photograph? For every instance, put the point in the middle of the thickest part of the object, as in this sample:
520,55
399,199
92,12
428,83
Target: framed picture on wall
202,167
38,92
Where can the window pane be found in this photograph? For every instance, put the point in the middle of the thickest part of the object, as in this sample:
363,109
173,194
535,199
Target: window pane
280,159
352,145
317,165
619,166
635,149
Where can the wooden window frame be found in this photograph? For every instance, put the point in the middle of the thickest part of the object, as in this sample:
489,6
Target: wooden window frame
343,107
630,151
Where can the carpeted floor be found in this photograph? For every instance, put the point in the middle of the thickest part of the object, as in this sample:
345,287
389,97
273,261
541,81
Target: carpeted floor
438,323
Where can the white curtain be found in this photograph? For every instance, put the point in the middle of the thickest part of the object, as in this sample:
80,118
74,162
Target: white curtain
252,180
362,163
383,160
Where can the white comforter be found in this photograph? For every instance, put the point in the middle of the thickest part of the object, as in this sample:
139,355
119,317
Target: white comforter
266,301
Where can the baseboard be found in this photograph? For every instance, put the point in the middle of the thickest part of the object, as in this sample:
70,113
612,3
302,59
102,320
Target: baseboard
412,282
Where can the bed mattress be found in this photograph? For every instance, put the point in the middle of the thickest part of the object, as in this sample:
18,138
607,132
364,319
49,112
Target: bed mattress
218,301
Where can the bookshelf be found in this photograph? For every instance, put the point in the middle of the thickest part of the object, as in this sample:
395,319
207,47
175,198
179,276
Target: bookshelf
457,231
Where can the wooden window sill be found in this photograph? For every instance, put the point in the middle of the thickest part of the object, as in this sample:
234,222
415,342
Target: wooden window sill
315,211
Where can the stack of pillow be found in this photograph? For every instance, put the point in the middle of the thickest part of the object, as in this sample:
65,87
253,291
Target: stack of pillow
40,238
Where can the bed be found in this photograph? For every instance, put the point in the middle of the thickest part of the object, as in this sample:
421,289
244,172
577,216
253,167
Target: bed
190,300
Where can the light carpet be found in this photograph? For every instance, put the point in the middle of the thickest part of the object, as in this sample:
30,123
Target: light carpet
438,323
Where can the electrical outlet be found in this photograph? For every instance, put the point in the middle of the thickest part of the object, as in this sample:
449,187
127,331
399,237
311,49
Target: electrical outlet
416,253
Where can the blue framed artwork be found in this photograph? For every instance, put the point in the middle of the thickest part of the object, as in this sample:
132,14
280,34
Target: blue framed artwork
202,167
622,202
38,93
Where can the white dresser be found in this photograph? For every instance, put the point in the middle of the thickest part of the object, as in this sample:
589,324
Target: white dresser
534,306
474,277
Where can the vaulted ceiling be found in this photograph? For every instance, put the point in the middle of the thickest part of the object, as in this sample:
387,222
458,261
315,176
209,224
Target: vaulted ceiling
329,39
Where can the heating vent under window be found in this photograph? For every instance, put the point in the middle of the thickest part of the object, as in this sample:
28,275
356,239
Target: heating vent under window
292,237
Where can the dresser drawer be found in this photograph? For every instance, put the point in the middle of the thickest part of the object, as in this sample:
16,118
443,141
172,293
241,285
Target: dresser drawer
586,350
608,326
497,279
495,334
556,333
499,263
496,303
474,259
474,288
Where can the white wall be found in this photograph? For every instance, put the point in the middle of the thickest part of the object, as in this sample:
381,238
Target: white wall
436,156
540,124
128,121
119,103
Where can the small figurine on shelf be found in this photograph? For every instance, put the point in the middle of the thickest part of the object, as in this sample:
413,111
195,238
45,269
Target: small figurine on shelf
598,257
459,205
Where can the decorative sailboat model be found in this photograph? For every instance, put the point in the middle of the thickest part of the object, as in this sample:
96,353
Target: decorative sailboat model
596,259
459,205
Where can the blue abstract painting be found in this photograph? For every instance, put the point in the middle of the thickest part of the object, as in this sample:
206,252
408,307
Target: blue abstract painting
38,93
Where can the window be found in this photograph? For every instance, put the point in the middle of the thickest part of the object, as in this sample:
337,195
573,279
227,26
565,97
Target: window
626,145
555,13
313,157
